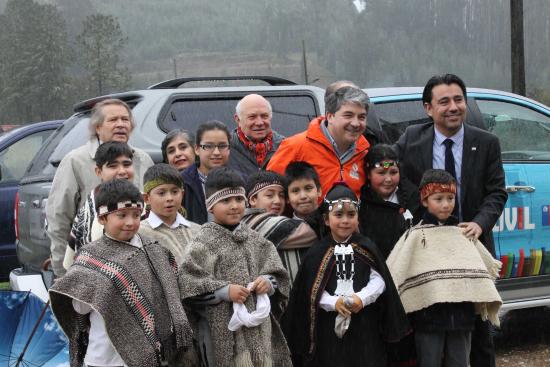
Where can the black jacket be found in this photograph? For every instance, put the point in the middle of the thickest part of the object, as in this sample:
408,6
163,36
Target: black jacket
194,201
383,221
482,194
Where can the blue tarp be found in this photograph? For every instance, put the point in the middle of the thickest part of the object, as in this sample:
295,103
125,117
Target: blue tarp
19,313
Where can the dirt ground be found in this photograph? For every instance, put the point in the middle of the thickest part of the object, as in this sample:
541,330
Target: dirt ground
524,339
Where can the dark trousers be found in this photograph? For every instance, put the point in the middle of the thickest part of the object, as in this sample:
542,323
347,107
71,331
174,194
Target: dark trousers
449,348
483,348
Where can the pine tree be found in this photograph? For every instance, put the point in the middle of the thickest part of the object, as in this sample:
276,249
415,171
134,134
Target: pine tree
100,45
34,57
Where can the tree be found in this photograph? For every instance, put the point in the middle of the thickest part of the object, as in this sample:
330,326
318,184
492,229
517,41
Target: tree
100,45
34,56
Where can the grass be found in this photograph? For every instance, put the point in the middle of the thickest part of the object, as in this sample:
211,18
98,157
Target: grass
4,286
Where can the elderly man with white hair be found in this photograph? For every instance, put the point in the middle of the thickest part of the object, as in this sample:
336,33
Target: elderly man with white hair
111,120
253,142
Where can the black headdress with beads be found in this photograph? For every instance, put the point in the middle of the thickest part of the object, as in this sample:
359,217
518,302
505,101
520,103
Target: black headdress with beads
337,196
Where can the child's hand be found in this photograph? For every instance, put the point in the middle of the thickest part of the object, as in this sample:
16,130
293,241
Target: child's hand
260,285
357,304
341,308
238,293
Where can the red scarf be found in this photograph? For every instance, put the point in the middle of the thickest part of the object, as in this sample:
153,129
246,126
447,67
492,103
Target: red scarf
260,149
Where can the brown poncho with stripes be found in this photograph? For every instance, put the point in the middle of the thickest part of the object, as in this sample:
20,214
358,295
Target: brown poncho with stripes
141,305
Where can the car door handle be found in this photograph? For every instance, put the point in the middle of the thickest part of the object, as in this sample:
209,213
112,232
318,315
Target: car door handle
513,189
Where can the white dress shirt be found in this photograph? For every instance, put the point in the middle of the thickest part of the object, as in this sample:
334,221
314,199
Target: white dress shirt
368,294
438,159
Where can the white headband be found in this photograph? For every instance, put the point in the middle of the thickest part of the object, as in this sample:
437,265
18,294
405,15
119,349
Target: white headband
223,194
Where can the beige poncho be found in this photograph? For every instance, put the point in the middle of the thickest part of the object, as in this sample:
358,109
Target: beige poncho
436,264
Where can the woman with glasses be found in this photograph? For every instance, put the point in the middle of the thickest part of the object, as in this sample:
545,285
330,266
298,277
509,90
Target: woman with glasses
212,149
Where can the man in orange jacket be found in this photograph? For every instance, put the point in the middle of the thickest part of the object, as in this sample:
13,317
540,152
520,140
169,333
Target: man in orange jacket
334,145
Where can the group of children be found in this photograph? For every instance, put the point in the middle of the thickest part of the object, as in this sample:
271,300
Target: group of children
279,274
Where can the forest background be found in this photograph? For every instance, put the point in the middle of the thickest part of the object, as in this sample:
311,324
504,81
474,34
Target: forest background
55,53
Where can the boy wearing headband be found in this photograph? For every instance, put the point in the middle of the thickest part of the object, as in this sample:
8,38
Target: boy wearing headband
291,236
343,308
226,262
444,278
119,303
163,186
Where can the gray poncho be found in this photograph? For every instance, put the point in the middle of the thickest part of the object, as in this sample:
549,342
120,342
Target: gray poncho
135,291
217,257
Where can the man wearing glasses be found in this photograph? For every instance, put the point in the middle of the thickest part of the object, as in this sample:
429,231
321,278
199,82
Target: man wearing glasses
253,142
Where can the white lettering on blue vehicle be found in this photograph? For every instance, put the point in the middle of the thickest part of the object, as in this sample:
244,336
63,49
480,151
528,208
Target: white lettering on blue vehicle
514,219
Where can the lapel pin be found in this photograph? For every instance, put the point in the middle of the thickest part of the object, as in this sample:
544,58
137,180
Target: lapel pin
474,148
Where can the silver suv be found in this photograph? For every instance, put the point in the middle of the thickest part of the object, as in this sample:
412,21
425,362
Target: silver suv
157,110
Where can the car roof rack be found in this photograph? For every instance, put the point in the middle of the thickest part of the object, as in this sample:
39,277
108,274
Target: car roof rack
176,83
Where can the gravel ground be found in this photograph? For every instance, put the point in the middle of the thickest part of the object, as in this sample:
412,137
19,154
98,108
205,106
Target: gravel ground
524,339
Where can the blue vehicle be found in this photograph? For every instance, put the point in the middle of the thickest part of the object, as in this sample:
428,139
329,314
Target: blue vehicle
522,234
17,148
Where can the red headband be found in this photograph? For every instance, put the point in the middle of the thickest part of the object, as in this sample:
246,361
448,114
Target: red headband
435,187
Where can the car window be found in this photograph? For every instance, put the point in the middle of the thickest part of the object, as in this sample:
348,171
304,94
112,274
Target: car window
40,164
291,113
15,158
524,133
73,139
394,117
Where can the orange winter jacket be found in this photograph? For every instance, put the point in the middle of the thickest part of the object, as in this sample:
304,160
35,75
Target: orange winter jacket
313,147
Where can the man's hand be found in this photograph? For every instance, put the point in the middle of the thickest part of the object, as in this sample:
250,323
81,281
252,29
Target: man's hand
471,230
238,293
260,285
341,308
357,304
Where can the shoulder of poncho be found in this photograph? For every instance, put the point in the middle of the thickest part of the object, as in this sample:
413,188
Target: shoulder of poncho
433,230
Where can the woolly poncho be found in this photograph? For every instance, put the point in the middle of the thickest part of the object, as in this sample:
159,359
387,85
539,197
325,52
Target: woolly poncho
436,264
217,257
135,291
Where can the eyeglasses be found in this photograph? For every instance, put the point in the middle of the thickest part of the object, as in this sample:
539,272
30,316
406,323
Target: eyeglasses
212,147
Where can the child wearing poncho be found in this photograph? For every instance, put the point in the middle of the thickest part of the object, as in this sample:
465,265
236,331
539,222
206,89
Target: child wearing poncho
291,236
113,159
230,278
443,278
119,302
343,309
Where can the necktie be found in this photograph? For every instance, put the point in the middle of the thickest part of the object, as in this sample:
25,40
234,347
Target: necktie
449,157
450,167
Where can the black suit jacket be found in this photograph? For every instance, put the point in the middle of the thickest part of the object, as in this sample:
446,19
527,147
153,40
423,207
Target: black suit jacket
483,192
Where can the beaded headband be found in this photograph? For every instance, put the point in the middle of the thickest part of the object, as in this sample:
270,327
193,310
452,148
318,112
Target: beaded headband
435,188
150,185
386,164
107,209
223,194
339,204
260,186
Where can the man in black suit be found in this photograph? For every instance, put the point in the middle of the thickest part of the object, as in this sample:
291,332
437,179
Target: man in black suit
472,156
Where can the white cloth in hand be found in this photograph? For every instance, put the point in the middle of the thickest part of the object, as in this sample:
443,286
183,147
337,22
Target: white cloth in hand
241,317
